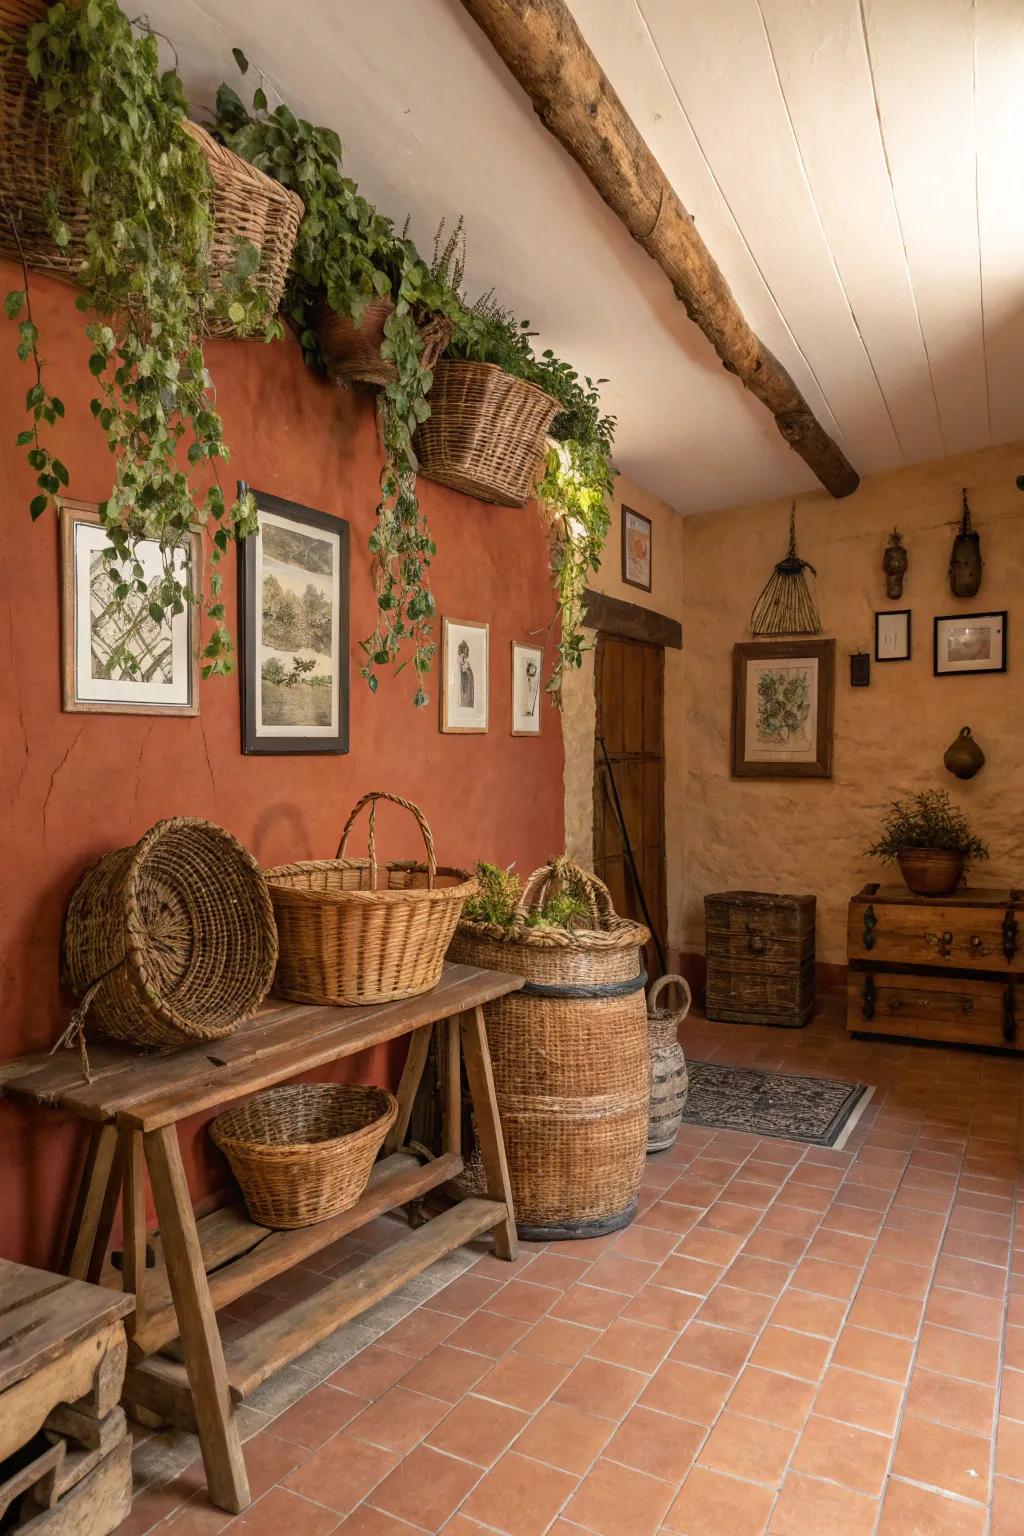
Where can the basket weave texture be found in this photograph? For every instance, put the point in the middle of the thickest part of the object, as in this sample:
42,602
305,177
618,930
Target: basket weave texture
486,432
344,940
171,941
352,352
304,1151
571,1073
246,205
670,1081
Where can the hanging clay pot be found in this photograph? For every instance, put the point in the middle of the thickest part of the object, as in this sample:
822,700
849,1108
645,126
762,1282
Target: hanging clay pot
894,564
965,560
964,757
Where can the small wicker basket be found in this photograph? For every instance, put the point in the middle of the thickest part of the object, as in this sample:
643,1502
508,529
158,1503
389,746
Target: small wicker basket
486,432
344,941
352,352
304,1151
246,204
670,1081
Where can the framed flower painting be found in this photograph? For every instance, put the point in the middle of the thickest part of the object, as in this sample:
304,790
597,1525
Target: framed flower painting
783,705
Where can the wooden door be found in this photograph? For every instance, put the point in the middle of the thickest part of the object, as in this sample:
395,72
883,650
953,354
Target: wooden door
630,687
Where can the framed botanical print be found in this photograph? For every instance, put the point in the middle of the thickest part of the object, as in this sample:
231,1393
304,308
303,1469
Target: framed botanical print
527,697
892,635
293,629
637,535
783,704
117,659
970,642
464,676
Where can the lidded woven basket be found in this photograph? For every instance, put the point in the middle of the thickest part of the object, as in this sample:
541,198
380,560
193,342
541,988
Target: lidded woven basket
352,933
302,1152
352,352
486,433
172,941
245,204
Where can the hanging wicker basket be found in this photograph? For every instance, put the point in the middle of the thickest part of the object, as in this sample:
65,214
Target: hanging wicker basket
570,1058
486,432
171,941
246,205
302,1152
670,1081
352,352
346,939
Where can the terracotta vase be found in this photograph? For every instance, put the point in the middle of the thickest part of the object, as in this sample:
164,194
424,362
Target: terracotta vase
931,871
963,756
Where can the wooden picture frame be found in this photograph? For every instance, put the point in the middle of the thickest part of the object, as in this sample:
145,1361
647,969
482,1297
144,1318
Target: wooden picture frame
637,534
783,709
988,641
302,708
527,688
887,639
465,677
84,689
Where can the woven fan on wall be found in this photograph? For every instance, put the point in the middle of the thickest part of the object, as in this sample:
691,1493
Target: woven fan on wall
786,606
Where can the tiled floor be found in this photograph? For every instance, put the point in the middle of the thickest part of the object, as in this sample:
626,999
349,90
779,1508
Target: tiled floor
791,1340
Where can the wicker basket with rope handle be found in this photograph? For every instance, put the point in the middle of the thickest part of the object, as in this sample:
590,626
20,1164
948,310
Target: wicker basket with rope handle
670,1081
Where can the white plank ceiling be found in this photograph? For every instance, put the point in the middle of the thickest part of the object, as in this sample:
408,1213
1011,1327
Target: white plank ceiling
855,166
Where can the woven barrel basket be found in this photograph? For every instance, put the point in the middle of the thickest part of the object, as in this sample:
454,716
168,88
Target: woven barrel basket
570,1058
352,352
670,1081
486,433
172,941
246,205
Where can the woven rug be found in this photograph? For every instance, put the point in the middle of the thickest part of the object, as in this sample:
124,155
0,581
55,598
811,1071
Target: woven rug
819,1110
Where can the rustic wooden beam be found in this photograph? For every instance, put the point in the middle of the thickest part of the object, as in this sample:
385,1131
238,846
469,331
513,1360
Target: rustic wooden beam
546,52
612,616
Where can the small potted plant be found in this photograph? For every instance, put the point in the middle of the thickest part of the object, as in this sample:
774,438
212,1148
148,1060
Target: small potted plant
930,840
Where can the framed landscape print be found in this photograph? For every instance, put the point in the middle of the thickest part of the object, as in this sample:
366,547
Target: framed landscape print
783,703
100,633
970,642
527,695
293,628
636,549
892,635
464,679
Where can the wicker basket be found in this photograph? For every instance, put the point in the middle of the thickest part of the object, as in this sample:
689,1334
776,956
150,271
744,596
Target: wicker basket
352,352
304,1151
571,1060
171,941
486,432
670,1081
246,205
344,940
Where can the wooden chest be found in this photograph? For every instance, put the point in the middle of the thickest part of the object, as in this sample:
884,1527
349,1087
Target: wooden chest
760,957
947,969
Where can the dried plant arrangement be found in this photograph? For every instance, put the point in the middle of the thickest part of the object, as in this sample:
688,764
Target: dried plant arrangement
785,606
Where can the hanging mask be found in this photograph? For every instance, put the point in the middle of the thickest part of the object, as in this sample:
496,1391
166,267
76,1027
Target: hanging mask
965,560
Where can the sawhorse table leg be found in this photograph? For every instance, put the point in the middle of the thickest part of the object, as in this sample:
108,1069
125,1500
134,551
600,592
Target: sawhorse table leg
477,1056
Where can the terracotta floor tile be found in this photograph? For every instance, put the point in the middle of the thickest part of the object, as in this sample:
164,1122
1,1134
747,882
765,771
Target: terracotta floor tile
446,1373
588,1305
807,1506
710,1504
886,1312
647,1243
372,1371
425,1488
317,1416
695,1192
969,1245
662,1308
523,1300
520,1496
941,1457
790,1220
729,1308
970,1314
636,1345
596,1387
367,1521
1011,1400
688,1392
852,1219
670,1216
565,1437
748,1448
682,1273
626,1276
397,1421
341,1473
777,1399
746,1192
279,1510
197,1518
716,1349
862,1400
725,1217
911,1511
1010,1448
487,1333
521,1381
806,1313
877,1354
478,1430
614,1500
826,1279
782,1247
658,1443
840,1248
714,1247
556,1340
766,1277
557,1270
949,1400
466,1294
268,1459
906,1247
965,1274
840,1453
958,1354
794,1354
1014,1347
420,1332
1007,1511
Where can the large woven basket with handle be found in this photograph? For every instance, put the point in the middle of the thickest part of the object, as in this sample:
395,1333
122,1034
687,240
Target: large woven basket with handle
570,1057
670,1081
352,352
353,933
246,205
486,433
171,941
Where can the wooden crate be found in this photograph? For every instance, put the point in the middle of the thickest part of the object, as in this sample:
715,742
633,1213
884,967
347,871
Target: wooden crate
760,958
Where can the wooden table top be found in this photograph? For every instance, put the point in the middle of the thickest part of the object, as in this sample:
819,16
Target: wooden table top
42,1317
145,1091
964,896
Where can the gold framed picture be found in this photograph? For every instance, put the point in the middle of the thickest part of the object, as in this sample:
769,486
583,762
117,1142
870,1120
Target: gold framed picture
464,676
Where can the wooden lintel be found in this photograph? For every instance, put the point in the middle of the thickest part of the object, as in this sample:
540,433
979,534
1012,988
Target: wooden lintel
614,617
546,52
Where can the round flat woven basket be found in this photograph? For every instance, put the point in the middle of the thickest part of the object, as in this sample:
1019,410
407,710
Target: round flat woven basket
346,939
246,205
171,941
304,1151
352,352
486,433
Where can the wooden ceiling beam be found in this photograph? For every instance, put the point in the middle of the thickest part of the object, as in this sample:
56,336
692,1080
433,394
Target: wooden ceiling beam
544,49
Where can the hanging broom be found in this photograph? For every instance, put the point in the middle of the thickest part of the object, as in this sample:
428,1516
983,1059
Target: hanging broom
786,606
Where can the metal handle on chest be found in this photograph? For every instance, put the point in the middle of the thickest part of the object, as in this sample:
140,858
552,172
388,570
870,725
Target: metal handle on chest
870,924
1009,1016
756,941
943,942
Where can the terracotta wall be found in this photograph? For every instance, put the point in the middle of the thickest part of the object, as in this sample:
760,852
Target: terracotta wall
73,786
890,737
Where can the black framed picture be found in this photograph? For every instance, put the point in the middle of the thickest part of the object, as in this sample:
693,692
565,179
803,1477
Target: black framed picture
970,642
293,629
892,635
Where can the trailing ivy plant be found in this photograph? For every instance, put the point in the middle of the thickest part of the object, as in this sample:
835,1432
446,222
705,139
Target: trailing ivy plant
146,286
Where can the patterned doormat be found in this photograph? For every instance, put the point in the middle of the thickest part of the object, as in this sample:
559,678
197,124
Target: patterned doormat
820,1110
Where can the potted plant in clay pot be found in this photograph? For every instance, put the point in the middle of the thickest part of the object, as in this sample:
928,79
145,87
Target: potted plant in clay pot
930,840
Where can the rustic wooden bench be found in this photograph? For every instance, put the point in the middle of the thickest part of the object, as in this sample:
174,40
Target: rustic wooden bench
135,1103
